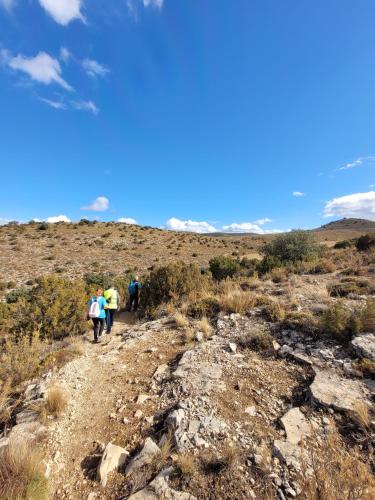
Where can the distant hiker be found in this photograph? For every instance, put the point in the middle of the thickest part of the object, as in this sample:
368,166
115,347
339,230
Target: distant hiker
113,300
96,311
134,287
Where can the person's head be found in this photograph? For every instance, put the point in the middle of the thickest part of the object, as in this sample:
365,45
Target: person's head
136,279
99,292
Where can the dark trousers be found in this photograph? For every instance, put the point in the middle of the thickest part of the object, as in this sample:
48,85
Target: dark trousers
133,299
110,318
98,327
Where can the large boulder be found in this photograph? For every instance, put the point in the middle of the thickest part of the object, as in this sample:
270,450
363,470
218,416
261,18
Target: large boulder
159,488
149,451
296,426
333,391
113,457
364,346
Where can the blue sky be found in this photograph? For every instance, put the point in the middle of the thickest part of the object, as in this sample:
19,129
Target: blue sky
253,115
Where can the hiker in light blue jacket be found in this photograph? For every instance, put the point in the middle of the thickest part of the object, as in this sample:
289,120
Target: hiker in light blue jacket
97,306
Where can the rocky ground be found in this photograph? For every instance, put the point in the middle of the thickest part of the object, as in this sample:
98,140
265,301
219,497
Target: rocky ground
145,398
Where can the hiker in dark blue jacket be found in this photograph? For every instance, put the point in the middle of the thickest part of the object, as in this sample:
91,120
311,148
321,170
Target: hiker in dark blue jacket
134,287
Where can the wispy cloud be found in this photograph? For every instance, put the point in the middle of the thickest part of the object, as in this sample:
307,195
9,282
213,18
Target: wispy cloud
42,68
86,106
153,3
53,104
7,4
93,68
63,11
361,205
358,162
65,54
298,194
100,204
190,226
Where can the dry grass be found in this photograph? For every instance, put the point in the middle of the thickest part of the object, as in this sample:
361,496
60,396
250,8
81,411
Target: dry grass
274,312
330,469
366,366
181,320
21,361
189,336
56,401
361,415
21,473
5,403
186,464
165,450
205,326
237,301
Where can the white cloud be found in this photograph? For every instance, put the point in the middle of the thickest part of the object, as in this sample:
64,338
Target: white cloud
361,205
53,104
101,204
153,3
65,54
249,227
58,218
7,4
261,222
63,11
190,225
93,68
298,194
42,68
3,221
127,220
86,106
356,163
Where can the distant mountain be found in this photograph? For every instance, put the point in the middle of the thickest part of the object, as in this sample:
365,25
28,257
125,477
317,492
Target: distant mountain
349,225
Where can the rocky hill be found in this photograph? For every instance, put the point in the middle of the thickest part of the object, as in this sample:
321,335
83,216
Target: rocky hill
349,224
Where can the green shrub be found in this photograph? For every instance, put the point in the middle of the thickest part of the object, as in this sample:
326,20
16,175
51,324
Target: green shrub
365,242
336,322
173,281
55,308
367,317
223,267
17,294
96,280
43,226
343,244
208,306
268,263
292,247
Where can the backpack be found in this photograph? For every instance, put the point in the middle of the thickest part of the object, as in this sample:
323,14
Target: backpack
132,288
94,311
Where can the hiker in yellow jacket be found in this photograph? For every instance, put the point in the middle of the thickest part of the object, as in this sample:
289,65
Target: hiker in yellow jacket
112,297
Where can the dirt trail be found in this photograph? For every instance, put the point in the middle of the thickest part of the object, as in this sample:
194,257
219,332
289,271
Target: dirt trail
102,386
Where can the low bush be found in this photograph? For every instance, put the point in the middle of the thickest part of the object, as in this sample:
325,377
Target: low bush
17,294
223,267
367,317
274,312
323,266
366,367
55,308
335,322
343,244
292,247
365,242
180,320
174,281
207,306
268,263
257,340
205,326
